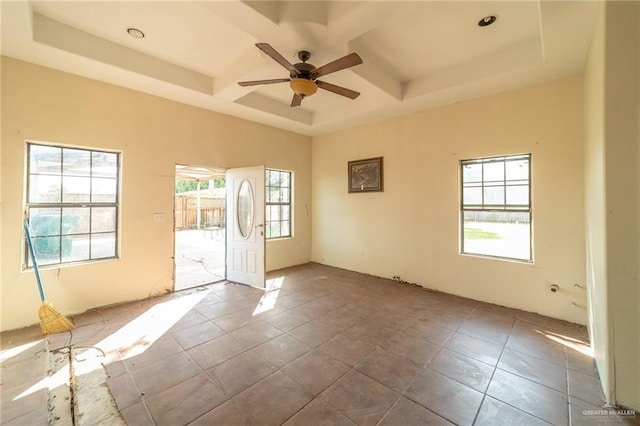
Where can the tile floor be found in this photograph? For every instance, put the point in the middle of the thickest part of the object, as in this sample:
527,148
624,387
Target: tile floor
332,347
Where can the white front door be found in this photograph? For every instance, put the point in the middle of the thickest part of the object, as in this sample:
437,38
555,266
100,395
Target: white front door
245,226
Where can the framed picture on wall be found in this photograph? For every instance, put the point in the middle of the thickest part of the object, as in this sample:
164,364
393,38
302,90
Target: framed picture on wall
366,175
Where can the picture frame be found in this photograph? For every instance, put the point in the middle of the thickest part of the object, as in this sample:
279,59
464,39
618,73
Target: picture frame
366,175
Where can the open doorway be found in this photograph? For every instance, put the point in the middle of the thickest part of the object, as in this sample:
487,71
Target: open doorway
200,231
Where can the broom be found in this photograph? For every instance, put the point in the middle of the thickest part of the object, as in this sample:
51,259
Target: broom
51,321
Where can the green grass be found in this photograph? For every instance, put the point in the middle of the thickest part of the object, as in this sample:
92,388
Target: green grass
479,234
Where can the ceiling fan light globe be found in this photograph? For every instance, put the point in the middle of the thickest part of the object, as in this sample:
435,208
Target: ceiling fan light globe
303,87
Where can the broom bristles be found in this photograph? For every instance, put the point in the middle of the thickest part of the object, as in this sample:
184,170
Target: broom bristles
52,321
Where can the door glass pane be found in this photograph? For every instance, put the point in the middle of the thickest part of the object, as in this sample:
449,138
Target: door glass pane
245,208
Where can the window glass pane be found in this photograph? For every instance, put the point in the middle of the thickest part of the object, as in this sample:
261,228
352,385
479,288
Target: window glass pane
103,219
472,173
286,195
76,162
104,164
494,171
103,245
518,195
274,229
76,189
274,195
278,211
43,222
273,178
44,189
75,220
103,190
518,170
285,212
47,250
285,179
75,248
501,234
69,180
285,230
472,196
494,195
45,159
274,213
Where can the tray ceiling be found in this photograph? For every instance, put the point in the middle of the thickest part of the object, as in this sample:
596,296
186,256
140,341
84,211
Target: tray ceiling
416,55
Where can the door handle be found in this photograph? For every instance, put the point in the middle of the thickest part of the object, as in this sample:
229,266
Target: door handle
259,225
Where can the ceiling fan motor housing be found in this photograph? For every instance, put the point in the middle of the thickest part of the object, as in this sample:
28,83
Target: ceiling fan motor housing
304,70
302,84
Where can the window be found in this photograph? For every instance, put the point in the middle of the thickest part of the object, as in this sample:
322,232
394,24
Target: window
72,204
278,204
496,207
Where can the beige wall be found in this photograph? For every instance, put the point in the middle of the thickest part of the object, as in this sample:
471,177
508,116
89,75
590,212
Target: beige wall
595,209
154,134
612,162
411,229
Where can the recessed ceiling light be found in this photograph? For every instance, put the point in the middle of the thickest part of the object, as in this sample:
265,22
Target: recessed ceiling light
487,20
135,33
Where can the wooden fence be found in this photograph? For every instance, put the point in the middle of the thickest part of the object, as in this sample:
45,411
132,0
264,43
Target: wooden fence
212,210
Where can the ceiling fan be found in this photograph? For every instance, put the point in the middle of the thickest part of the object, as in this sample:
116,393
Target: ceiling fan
303,76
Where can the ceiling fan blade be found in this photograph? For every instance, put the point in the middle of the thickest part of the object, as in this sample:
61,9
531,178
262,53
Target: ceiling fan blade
296,100
266,48
352,94
257,82
337,65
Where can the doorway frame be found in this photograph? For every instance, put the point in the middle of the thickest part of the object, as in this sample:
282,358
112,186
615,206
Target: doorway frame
196,173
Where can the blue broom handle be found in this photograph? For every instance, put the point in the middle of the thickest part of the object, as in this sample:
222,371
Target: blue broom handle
33,259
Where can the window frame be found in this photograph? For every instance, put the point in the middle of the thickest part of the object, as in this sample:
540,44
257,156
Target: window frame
268,204
28,205
497,207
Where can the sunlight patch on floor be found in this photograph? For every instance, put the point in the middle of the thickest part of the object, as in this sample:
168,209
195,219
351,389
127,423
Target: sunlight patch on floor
10,353
569,342
129,341
269,298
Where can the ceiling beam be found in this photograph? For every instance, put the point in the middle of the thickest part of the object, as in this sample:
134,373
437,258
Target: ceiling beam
271,106
61,36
